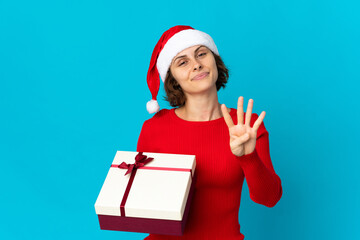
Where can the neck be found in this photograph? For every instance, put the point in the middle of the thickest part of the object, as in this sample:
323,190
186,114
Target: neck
201,107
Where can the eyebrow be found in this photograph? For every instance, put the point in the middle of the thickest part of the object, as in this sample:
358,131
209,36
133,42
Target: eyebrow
185,55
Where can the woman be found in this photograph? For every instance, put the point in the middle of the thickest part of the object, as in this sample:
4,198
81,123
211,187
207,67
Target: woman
229,145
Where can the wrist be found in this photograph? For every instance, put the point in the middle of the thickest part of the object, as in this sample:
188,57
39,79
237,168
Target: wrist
245,154
248,158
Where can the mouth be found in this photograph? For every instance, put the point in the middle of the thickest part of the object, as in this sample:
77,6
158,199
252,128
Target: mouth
201,76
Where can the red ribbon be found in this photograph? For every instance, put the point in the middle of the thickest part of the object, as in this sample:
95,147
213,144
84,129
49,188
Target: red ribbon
140,161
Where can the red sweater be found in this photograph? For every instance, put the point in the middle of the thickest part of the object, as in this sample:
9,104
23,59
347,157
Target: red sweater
220,174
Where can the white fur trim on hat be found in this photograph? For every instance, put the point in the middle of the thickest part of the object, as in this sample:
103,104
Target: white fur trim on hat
152,106
180,41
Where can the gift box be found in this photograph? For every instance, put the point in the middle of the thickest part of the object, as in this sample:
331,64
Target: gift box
147,192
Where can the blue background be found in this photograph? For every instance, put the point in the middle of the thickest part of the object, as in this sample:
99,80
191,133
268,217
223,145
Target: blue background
73,92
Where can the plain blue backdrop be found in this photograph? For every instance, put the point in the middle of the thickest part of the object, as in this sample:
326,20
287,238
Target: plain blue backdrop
73,92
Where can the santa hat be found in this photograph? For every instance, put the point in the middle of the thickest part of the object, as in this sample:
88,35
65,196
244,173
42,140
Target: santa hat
173,41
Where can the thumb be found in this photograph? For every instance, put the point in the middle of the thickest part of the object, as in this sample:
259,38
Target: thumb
240,140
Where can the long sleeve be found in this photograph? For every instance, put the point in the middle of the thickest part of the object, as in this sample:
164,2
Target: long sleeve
143,144
264,184
217,190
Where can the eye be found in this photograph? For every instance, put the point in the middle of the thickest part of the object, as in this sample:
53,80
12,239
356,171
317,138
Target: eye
182,63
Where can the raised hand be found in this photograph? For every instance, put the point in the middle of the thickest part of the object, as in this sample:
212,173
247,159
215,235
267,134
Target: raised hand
242,136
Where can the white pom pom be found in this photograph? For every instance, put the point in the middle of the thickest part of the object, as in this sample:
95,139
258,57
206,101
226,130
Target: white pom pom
152,106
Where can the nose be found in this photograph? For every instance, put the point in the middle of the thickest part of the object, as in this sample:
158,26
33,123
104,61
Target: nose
197,65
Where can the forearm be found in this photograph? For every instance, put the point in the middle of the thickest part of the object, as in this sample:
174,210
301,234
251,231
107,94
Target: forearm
264,184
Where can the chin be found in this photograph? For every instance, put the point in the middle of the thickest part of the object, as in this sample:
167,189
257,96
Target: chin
201,88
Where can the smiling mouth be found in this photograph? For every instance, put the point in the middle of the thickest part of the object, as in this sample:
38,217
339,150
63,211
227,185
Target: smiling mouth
201,76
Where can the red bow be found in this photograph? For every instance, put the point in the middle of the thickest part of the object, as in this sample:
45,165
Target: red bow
140,160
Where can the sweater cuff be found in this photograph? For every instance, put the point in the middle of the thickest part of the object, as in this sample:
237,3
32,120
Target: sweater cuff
251,159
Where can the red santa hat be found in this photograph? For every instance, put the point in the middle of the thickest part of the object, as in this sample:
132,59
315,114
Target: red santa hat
173,41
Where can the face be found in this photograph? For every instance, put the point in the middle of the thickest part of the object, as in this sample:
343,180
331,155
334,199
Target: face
189,63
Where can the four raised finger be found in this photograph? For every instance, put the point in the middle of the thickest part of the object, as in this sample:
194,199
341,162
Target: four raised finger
240,110
248,112
227,117
259,121
240,114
